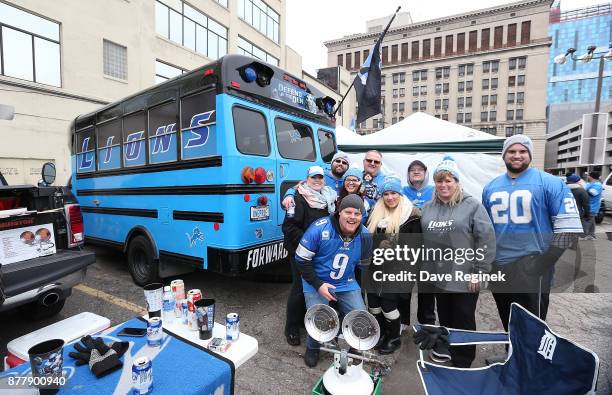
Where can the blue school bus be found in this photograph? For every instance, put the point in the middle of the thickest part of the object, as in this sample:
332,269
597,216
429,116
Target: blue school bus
190,173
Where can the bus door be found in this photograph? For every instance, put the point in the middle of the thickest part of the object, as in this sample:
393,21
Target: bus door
296,149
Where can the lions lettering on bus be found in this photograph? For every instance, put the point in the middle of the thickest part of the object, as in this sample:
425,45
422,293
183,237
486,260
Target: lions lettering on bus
198,141
267,254
87,156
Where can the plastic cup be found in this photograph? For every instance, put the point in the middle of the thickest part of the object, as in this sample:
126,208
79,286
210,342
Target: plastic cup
154,294
47,361
205,313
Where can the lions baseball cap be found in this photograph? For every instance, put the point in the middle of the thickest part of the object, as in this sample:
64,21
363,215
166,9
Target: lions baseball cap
315,171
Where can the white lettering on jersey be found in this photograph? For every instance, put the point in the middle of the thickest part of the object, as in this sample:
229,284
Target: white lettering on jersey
339,263
320,222
515,207
547,345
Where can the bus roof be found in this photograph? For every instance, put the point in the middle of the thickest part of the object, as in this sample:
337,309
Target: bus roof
225,76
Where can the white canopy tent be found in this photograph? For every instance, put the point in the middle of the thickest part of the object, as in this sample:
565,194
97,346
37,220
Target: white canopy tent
428,139
347,136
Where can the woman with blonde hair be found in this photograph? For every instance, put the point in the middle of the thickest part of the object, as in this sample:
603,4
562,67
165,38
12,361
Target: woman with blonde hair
391,223
456,223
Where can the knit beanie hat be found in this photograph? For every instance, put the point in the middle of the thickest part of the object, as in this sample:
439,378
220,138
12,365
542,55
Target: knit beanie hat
341,155
351,201
391,184
353,172
448,164
518,139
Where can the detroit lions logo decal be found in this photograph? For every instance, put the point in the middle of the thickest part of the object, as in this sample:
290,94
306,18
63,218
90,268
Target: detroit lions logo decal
195,236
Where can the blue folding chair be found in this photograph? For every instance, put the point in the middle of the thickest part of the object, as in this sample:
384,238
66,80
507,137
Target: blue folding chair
539,362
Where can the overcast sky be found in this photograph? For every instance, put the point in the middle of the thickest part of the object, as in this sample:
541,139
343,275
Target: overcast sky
311,22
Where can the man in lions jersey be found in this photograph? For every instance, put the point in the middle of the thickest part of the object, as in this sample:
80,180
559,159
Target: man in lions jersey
328,255
535,216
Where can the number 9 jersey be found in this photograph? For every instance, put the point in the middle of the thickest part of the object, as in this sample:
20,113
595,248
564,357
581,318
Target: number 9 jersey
527,211
333,257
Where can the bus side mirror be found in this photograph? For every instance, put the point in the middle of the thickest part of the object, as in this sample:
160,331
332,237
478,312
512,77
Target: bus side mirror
7,112
48,174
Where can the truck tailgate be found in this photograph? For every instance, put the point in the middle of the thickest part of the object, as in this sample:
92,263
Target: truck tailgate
23,276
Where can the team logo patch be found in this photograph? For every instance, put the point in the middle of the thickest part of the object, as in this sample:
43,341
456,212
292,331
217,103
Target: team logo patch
195,236
259,233
547,345
325,235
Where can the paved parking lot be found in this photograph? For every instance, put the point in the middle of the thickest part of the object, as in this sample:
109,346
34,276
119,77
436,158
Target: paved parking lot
278,367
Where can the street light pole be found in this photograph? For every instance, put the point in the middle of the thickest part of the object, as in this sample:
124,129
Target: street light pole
599,84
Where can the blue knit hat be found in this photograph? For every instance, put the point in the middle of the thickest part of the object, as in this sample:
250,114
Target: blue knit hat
353,172
448,164
391,184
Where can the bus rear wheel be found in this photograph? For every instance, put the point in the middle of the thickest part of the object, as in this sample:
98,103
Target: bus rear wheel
141,262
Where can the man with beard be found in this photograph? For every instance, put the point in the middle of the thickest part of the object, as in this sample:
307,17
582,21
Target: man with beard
373,176
535,218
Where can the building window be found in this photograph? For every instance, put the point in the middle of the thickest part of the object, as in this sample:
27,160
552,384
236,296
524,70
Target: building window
394,92
493,100
461,70
468,86
191,28
395,78
448,46
424,90
468,117
423,105
401,119
415,91
460,43
30,47
445,87
509,131
460,102
492,116
520,80
115,60
511,40
164,71
404,52
246,48
469,69
340,60
486,66
438,104
494,83
415,75
438,73
519,130
485,83
423,75
357,59
510,98
512,80
520,97
519,115
438,89
498,37
393,120
446,72
402,92
485,100
438,46
394,54
494,66
384,54
522,62
382,79
473,43
485,38
459,117
402,77
525,32
415,50
510,115
445,117
468,101
402,107
445,104
484,116
461,86
512,64
261,16
426,48
394,107
415,106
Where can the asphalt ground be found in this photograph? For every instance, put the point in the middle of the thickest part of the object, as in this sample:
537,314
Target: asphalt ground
108,290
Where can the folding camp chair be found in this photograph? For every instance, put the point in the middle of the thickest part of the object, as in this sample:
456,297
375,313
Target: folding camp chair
539,362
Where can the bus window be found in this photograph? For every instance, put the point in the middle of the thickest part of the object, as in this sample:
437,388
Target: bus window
134,140
294,140
86,151
162,133
251,132
198,129
327,145
109,145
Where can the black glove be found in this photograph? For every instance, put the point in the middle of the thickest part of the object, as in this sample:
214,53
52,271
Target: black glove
102,358
427,336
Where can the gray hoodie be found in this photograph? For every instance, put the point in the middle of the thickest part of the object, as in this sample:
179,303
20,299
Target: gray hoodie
456,230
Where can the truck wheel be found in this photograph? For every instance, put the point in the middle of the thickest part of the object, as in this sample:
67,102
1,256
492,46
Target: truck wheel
143,267
35,311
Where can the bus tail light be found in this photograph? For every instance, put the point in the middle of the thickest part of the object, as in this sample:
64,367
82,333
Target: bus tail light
247,175
260,175
74,220
235,84
262,200
247,197
208,72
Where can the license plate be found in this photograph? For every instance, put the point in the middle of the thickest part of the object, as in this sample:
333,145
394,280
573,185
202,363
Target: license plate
260,213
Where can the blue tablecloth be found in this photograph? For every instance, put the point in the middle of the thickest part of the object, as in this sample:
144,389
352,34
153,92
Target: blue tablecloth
179,367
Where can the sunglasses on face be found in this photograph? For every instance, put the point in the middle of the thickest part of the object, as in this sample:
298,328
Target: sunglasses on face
341,161
317,177
374,161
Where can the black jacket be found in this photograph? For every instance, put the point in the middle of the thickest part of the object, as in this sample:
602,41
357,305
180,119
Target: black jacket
582,200
294,228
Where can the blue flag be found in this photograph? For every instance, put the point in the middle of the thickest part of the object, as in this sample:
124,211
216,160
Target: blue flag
367,81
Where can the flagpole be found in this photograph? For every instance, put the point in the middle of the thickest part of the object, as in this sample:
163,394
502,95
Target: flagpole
353,83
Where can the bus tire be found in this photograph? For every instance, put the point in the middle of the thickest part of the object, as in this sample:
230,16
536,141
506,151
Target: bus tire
141,262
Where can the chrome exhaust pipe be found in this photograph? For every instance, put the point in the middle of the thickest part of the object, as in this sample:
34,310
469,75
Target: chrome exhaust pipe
49,298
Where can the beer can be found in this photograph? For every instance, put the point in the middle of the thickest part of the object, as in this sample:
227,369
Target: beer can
178,289
232,326
142,376
193,296
154,332
184,312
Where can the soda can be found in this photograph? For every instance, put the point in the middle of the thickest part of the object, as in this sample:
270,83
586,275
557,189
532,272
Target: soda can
184,312
142,376
193,296
232,326
178,289
154,332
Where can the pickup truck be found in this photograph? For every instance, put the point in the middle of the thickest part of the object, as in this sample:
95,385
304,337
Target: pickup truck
41,246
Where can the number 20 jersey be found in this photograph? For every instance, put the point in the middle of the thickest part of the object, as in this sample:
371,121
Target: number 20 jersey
334,260
527,211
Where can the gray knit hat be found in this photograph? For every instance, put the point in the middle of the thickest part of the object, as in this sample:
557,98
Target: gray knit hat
341,155
351,201
518,139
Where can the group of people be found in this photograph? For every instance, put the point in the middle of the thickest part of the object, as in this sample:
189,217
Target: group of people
338,218
588,199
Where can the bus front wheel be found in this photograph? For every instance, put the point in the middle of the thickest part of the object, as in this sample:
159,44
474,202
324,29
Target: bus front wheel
141,262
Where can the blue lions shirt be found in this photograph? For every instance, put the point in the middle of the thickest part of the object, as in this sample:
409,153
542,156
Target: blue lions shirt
334,260
594,189
527,211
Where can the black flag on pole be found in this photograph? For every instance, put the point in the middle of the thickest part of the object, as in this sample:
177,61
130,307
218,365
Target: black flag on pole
367,81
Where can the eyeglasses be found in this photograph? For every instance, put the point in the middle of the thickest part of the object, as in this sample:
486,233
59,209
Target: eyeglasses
374,161
317,177
341,161
351,181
